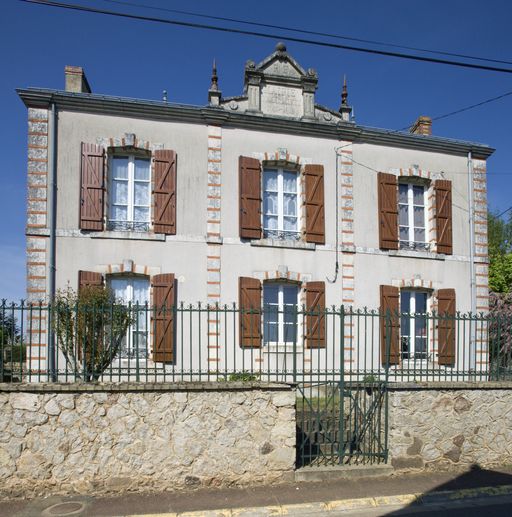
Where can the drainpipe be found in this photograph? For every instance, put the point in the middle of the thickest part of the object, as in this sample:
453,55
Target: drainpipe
52,215
472,271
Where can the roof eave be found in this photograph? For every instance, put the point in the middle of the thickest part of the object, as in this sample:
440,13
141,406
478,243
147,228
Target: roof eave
159,110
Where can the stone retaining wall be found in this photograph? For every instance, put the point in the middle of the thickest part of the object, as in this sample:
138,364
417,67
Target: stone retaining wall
450,425
98,439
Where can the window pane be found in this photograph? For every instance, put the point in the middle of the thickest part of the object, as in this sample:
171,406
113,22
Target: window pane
270,203
120,192
419,235
290,294
120,167
119,213
403,211
402,193
290,181
421,302
140,290
290,332
141,195
119,288
270,180
417,194
270,223
290,204
142,169
141,215
404,233
419,216
290,224
270,332
405,301
270,294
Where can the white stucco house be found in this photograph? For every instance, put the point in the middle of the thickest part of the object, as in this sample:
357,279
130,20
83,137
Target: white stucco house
261,199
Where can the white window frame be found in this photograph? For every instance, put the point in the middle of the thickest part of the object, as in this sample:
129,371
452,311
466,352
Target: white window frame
412,325
127,348
411,242
280,315
282,233
130,219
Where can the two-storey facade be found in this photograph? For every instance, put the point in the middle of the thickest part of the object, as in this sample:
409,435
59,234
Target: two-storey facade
266,199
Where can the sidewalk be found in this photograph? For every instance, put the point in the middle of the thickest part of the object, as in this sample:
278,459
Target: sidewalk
304,498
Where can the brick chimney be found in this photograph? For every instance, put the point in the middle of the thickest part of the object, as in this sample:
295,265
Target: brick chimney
422,126
76,80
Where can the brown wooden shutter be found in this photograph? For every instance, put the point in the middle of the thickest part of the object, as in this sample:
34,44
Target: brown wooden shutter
315,315
446,327
443,190
162,317
164,193
250,197
389,306
92,193
89,279
315,204
250,312
388,211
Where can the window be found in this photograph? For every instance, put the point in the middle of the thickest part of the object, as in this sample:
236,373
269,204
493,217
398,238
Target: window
280,204
130,193
411,208
413,324
280,313
134,291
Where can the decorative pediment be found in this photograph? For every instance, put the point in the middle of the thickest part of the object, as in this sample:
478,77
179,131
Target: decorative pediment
280,64
281,87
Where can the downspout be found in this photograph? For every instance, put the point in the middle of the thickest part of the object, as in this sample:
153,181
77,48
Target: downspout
472,270
52,216
337,263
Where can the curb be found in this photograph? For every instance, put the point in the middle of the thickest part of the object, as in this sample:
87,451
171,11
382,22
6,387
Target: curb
322,508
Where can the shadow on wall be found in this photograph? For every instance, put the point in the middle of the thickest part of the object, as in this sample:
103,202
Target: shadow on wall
476,477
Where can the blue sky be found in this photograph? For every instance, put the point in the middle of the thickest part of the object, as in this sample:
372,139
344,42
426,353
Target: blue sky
140,59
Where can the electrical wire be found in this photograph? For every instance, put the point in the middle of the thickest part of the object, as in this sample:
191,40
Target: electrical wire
366,50
304,31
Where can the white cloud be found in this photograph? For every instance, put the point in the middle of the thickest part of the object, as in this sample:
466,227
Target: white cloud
12,278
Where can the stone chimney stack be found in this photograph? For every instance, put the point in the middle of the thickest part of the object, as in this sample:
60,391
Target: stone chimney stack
76,80
422,126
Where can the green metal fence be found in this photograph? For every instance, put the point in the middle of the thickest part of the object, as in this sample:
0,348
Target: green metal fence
41,342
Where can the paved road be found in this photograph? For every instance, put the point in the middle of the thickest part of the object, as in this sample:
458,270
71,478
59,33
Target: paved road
493,507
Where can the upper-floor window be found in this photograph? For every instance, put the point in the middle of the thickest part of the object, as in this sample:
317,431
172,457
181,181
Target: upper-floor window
412,216
130,193
280,204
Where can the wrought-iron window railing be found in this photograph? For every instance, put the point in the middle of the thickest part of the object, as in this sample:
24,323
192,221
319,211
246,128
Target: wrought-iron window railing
128,226
416,246
281,235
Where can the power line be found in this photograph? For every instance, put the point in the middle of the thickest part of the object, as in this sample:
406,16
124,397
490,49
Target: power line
304,31
504,212
366,50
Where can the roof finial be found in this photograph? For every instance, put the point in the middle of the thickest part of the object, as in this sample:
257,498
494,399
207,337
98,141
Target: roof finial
345,109
215,80
344,92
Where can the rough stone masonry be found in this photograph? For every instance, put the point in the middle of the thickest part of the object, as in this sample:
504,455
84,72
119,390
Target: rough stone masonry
450,426
80,439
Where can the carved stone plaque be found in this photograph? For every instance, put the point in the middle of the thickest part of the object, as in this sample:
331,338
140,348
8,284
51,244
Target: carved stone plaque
282,100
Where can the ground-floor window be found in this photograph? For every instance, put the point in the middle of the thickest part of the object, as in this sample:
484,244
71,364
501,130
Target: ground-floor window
134,291
280,302
413,325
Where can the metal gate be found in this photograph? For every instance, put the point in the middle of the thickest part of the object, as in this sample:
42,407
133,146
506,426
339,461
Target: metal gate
342,423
